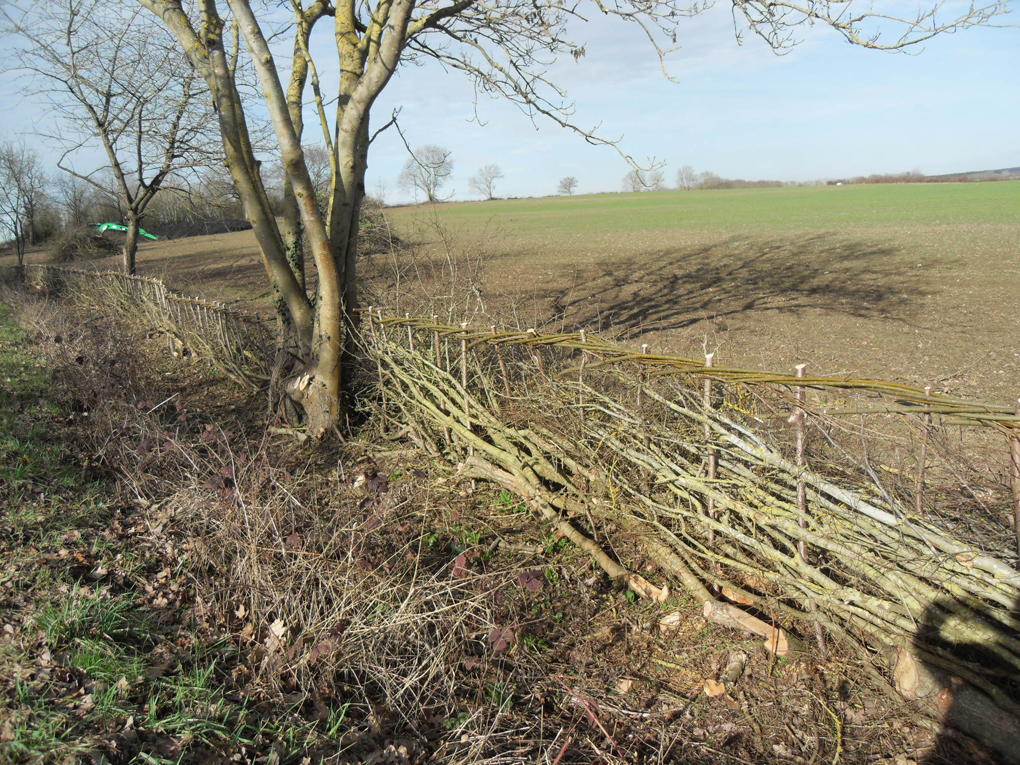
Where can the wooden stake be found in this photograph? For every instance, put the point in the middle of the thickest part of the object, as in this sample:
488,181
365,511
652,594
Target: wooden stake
502,365
439,363
464,374
435,342
580,378
713,458
538,357
646,475
641,377
919,493
799,417
382,331
410,335
1014,452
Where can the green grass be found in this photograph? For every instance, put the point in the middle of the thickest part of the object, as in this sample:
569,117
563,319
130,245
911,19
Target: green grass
78,666
813,207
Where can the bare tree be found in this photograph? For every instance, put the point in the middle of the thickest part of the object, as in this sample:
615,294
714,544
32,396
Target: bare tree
567,185
643,180
319,171
22,192
632,182
77,199
115,81
685,178
426,171
484,181
504,45
707,180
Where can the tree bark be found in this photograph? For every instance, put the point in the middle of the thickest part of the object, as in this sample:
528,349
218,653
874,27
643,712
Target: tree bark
130,245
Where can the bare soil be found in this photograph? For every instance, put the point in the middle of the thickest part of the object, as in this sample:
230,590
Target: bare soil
921,304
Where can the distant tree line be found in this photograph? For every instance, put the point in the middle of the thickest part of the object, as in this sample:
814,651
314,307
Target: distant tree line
916,176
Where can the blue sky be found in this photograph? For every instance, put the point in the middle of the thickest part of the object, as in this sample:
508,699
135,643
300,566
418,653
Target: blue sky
825,110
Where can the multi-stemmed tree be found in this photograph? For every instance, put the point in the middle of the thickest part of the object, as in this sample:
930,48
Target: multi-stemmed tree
484,181
567,185
426,171
504,45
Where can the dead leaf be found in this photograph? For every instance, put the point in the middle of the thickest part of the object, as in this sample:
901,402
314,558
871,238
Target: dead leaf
782,750
500,640
122,687
714,688
670,621
624,685
319,650
276,637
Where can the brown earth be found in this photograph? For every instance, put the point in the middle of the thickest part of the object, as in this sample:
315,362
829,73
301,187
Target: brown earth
911,304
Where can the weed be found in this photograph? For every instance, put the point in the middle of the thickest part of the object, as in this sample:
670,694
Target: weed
457,721
500,695
535,645
469,539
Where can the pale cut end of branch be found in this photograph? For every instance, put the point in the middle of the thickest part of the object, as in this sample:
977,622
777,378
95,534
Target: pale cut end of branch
777,641
646,589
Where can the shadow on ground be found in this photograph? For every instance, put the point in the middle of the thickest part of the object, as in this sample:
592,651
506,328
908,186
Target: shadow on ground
676,288
959,706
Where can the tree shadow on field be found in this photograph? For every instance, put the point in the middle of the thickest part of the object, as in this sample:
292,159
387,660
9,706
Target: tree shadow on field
677,288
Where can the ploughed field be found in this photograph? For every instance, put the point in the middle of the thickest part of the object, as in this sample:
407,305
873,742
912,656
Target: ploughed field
919,283
916,283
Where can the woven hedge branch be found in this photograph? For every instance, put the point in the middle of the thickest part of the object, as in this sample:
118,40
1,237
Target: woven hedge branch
909,399
879,579
238,344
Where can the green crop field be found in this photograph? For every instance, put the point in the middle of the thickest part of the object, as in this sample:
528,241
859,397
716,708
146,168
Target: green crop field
769,210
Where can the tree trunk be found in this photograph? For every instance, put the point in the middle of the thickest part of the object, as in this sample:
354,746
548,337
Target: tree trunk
130,245
19,242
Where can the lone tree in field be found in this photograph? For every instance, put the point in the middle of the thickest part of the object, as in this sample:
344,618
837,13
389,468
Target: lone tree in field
427,170
567,185
484,181
642,180
505,46
115,81
22,194
685,178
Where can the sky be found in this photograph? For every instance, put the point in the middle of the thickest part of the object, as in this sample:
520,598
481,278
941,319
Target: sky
825,110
